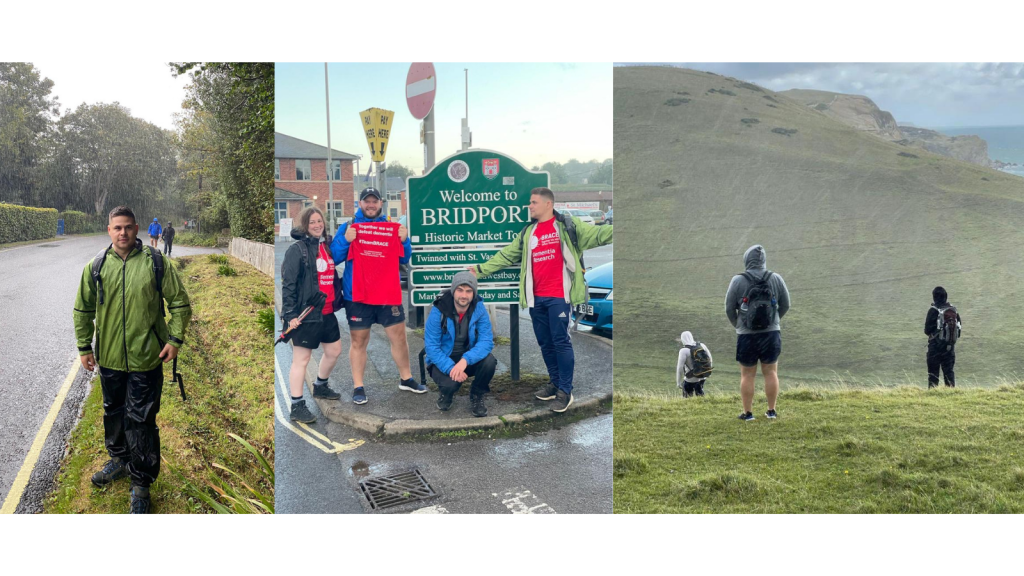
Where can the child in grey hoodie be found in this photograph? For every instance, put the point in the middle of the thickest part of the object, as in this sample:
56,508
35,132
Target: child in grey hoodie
690,384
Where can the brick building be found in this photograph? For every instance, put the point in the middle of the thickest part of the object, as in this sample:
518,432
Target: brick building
396,196
301,179
581,193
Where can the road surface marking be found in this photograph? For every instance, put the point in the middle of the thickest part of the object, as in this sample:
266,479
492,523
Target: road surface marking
435,509
279,412
525,503
32,458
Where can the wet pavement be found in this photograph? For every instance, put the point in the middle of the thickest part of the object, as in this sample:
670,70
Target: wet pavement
38,283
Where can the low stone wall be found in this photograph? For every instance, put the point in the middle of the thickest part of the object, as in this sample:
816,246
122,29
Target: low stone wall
257,254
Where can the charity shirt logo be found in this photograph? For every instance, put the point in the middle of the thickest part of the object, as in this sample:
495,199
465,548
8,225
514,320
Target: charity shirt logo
491,168
321,265
533,242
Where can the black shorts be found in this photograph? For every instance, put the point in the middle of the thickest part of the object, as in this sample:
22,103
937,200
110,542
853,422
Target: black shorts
363,316
312,334
763,346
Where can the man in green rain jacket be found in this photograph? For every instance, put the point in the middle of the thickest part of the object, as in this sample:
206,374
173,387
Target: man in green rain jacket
132,343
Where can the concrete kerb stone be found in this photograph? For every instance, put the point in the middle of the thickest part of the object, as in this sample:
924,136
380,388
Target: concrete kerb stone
406,427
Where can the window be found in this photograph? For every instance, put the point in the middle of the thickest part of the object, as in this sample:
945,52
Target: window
302,170
394,212
336,173
396,196
338,208
280,211
277,169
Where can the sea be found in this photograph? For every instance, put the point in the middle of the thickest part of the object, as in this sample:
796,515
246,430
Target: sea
1005,143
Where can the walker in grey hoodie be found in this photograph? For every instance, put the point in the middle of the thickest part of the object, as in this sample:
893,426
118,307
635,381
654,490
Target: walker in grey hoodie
754,260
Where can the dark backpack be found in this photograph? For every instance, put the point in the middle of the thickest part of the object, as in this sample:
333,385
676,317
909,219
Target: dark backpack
339,290
158,272
948,325
759,304
701,362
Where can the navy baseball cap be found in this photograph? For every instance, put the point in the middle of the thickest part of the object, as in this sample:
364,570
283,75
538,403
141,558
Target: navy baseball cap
369,192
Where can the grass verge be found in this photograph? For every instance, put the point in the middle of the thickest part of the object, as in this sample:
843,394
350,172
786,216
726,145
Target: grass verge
903,450
227,366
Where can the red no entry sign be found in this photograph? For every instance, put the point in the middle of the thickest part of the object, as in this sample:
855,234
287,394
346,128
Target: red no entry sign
420,87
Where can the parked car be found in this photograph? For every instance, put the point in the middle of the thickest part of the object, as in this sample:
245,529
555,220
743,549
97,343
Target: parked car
583,215
597,313
598,217
608,217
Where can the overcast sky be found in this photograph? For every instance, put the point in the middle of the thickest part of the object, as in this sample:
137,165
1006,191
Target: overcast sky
532,112
147,88
929,95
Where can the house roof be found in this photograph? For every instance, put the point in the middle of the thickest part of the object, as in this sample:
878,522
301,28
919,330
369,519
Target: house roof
282,194
286,146
582,196
395,184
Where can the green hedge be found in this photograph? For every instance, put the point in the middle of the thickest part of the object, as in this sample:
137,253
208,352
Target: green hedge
18,223
193,239
81,223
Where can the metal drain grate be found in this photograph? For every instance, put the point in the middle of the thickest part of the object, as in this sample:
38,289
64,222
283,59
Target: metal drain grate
395,490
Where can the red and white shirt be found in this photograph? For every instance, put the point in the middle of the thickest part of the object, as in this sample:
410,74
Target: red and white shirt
374,256
547,261
326,276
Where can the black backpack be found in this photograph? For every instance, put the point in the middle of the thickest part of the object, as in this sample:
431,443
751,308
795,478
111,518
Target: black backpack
759,304
948,325
701,362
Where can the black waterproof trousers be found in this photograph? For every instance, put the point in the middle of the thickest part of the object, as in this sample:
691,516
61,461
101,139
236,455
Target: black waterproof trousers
940,358
167,246
482,373
131,401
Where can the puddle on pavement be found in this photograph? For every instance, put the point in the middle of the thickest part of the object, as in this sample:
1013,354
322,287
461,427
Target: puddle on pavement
361,470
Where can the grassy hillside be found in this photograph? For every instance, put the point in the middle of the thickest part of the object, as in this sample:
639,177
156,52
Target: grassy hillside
862,229
903,450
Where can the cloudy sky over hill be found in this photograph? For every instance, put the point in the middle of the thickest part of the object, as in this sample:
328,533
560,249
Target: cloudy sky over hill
928,95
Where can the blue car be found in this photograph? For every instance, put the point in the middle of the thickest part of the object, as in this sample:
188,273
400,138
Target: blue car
598,311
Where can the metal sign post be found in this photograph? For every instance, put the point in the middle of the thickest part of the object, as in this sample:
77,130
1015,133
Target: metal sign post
462,211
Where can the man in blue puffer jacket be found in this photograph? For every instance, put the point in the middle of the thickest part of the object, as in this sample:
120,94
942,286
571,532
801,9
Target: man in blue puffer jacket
361,317
458,339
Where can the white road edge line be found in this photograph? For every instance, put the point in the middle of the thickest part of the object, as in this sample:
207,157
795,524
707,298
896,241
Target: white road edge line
32,458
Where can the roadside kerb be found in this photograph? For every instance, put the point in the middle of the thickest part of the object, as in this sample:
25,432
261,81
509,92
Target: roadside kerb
404,427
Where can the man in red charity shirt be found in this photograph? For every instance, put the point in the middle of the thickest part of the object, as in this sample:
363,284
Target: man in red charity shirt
362,306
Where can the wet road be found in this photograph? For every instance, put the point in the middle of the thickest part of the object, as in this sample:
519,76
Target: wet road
565,471
37,339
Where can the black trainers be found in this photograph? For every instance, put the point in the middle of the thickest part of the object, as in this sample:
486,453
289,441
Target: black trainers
548,393
413,386
771,415
359,395
562,402
114,469
301,413
747,416
476,405
444,402
140,503
324,391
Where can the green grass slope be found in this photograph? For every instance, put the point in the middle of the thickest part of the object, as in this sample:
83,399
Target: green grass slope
903,450
862,229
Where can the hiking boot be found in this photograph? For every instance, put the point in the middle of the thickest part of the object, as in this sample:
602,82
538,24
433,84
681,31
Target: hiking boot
548,393
300,412
747,416
324,391
413,386
140,503
771,415
114,469
476,405
562,402
444,401
359,396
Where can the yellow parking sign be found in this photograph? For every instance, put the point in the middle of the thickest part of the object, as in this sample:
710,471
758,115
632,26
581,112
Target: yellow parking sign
377,127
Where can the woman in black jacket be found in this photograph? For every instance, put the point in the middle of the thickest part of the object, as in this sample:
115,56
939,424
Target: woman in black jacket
308,279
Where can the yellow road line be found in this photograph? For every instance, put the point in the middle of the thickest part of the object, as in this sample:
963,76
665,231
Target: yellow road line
332,446
32,458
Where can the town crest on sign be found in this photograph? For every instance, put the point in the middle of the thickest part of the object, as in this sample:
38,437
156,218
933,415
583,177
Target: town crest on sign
491,168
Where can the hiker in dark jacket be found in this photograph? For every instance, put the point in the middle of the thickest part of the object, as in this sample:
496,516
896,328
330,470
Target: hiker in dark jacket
308,279
758,338
168,235
691,384
458,339
941,343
